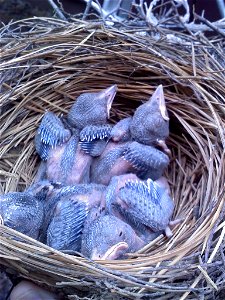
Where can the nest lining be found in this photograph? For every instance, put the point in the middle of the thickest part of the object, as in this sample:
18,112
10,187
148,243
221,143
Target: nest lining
46,68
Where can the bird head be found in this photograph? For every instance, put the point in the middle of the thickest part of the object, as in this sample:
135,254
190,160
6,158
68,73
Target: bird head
109,238
150,122
92,108
157,103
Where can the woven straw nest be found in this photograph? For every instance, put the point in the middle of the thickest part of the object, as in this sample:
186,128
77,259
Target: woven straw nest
45,65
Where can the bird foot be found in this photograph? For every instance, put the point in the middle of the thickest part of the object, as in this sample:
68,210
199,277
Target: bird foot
164,147
168,231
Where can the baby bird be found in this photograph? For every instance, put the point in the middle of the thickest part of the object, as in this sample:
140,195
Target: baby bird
150,122
131,147
142,204
128,157
93,139
67,211
59,146
110,236
24,211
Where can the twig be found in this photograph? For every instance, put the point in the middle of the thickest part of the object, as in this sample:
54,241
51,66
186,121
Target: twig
139,8
96,6
221,7
117,8
186,17
57,10
209,24
87,9
208,248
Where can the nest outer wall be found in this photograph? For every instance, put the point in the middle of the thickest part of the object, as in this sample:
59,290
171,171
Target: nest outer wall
45,64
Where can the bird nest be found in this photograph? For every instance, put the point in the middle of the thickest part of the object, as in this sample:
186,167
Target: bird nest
45,64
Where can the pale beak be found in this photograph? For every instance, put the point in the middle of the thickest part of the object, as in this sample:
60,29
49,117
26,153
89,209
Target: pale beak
159,96
112,253
109,95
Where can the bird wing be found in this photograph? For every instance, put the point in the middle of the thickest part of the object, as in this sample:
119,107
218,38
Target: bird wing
143,157
94,138
65,229
50,134
147,203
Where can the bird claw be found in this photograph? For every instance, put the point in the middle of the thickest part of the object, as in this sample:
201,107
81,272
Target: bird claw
164,147
168,231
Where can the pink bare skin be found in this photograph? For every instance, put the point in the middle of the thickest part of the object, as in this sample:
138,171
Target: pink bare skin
121,166
80,169
53,163
81,164
26,290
